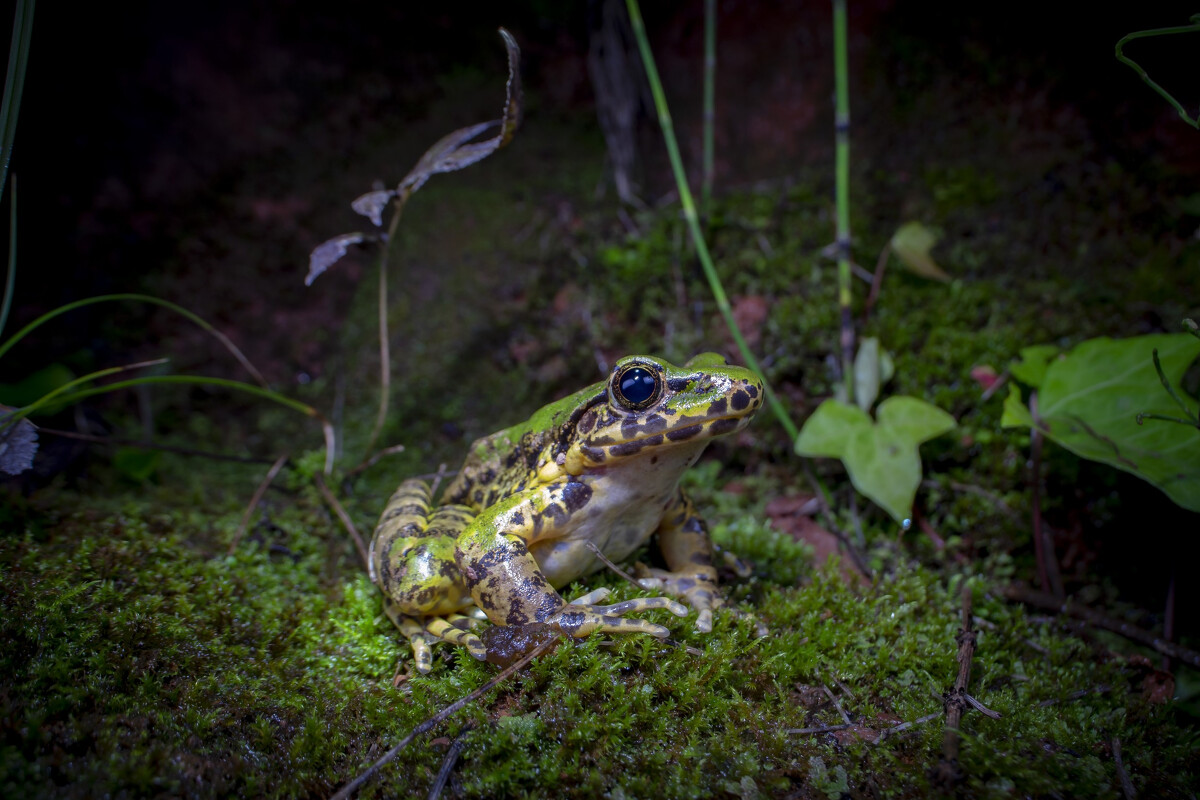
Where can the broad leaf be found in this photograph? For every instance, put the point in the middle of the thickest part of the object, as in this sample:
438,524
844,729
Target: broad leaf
1030,369
1090,399
1016,413
912,242
881,457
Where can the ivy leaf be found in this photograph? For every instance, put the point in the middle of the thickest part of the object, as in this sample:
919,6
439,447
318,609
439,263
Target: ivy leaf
880,456
1030,369
912,242
1089,401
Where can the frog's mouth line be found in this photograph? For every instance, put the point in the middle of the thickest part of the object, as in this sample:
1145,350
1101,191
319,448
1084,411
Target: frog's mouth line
717,426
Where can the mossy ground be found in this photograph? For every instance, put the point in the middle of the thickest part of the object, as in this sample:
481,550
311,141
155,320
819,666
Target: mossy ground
141,658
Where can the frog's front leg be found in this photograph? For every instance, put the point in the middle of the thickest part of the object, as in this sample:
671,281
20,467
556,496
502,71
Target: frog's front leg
687,549
505,581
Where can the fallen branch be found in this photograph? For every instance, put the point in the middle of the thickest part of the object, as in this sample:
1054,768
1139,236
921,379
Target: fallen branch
319,480
354,785
255,500
1071,608
947,774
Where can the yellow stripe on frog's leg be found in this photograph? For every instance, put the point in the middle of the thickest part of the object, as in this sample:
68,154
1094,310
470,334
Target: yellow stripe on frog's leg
687,550
441,628
414,631
505,580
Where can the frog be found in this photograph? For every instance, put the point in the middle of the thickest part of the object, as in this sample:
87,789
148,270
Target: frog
586,480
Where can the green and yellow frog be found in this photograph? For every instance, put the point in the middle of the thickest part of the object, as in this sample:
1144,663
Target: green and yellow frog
601,466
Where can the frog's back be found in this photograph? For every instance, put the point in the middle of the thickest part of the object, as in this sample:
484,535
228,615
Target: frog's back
507,461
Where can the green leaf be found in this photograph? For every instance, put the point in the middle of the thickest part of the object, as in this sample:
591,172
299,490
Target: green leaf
881,458
1089,402
868,373
1016,413
912,242
827,430
914,419
1030,369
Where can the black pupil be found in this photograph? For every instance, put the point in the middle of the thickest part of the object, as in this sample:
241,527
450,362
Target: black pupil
637,385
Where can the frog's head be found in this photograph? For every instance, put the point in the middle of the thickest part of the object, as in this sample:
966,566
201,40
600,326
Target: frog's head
649,404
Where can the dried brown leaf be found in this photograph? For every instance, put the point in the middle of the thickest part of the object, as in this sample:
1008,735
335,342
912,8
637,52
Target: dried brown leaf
18,443
327,253
371,205
455,150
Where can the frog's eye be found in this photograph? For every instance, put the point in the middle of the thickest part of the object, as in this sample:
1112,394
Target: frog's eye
636,387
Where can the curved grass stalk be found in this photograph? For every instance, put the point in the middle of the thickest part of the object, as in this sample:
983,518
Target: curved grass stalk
1193,28
143,298
10,279
14,81
25,411
693,221
192,380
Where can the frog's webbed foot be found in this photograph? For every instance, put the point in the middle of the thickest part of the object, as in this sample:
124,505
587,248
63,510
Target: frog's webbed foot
698,589
583,615
421,631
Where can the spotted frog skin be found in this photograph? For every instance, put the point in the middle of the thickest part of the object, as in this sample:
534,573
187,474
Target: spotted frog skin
601,466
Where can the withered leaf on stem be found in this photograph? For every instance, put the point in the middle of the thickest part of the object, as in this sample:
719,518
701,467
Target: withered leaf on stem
452,152
328,252
18,443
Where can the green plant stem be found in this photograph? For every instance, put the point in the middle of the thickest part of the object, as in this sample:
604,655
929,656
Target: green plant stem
11,277
689,213
142,298
385,354
710,72
1193,28
1194,419
25,411
842,167
200,380
14,82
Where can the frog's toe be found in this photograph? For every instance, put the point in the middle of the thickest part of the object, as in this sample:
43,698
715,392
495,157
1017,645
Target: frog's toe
579,621
641,604
698,590
441,628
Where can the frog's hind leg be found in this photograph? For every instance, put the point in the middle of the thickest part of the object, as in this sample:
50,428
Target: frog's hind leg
421,631
687,550
412,561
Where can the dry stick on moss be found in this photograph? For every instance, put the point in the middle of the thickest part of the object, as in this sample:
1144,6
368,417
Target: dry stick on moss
448,762
946,775
1122,775
841,711
370,462
1101,689
693,220
255,499
350,788
347,523
1032,597
903,726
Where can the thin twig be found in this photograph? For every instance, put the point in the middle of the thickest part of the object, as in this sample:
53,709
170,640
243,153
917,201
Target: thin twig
255,500
319,480
428,724
876,282
608,563
819,729
947,774
841,711
1101,689
370,461
448,762
1097,619
1126,784
903,726
981,708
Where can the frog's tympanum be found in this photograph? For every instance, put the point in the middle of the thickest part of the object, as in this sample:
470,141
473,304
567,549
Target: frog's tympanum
602,467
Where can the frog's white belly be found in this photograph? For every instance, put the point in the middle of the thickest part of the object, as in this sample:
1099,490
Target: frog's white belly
625,509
